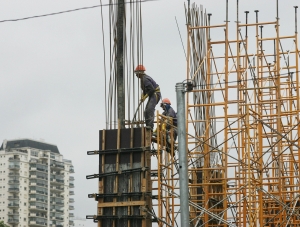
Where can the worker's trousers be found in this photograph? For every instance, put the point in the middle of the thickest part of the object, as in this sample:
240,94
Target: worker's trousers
150,109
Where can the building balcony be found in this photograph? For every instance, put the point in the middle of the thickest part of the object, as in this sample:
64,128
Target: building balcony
71,207
13,189
13,177
13,221
33,168
71,185
60,204
57,181
71,215
37,207
38,192
38,215
13,213
58,189
32,199
71,222
14,159
57,225
56,195
13,197
37,223
15,174
40,184
71,178
71,193
14,167
57,218
71,200
13,182
35,182
44,156
57,166
55,210
56,203
72,169
34,176
12,205
56,173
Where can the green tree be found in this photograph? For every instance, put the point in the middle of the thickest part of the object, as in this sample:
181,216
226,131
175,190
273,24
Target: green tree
2,224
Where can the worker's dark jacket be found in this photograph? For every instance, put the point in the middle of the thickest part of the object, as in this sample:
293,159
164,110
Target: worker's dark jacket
169,112
148,85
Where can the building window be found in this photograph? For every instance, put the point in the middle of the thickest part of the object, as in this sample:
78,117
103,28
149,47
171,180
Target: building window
34,153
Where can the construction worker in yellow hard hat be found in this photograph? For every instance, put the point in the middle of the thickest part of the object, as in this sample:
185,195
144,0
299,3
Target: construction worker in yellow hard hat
151,90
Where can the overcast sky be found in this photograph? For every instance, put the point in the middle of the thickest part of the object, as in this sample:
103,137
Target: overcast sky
52,83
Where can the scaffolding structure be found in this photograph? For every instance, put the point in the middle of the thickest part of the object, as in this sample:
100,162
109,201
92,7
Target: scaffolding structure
242,133
243,128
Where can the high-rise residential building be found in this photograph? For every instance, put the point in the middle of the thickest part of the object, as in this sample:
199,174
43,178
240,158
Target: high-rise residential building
36,185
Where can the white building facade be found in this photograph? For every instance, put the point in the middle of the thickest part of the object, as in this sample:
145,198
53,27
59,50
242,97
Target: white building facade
36,185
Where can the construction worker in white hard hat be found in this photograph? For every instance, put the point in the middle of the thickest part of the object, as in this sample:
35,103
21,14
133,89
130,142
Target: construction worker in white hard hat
151,91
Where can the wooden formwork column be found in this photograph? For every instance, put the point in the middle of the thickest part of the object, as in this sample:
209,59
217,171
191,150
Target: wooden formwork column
125,189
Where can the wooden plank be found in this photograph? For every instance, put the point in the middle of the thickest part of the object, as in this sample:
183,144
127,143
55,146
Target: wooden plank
122,204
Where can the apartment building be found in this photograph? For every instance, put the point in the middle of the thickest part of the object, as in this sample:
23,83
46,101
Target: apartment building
36,185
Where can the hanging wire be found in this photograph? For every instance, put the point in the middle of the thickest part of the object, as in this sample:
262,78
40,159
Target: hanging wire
71,10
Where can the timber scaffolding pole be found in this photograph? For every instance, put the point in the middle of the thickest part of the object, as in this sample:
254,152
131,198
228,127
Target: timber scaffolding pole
245,115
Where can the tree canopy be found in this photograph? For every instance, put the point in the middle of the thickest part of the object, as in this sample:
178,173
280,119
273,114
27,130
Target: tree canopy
2,224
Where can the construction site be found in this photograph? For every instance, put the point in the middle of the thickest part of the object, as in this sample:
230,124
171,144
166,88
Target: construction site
236,159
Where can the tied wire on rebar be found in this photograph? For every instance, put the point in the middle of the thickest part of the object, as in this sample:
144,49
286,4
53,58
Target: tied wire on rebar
132,56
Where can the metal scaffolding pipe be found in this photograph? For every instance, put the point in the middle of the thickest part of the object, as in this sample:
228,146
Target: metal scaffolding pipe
183,170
